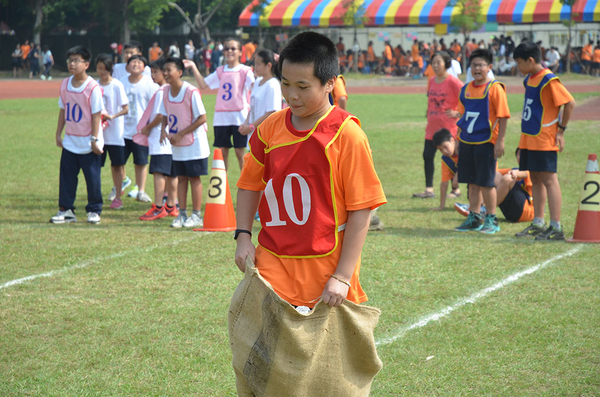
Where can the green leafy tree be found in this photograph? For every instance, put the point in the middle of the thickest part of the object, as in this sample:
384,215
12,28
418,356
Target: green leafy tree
569,24
354,15
467,20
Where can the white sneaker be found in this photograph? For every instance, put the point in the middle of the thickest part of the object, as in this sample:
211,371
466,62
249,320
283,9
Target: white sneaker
49,77
63,217
113,193
134,192
43,77
179,221
143,197
93,218
194,221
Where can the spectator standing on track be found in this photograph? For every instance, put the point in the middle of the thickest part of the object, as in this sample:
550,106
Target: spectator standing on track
17,61
174,51
25,49
34,61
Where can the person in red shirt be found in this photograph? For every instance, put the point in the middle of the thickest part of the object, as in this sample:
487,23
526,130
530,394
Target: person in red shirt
442,94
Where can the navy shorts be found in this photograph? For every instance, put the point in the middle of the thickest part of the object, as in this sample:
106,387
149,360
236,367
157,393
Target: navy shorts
140,153
586,62
476,164
595,65
161,164
513,204
190,168
224,133
117,155
538,160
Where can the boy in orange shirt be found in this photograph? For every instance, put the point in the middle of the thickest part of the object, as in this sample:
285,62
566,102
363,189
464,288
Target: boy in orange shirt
542,137
483,112
445,143
586,56
313,163
596,61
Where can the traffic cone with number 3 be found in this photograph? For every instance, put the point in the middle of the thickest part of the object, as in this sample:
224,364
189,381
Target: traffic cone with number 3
219,215
587,224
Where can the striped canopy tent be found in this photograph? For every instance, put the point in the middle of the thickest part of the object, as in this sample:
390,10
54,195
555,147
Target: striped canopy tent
330,13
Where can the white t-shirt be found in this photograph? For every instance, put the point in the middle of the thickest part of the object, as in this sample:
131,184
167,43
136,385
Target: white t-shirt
552,56
454,69
189,52
264,98
139,96
154,145
471,78
200,148
114,99
119,72
83,144
231,118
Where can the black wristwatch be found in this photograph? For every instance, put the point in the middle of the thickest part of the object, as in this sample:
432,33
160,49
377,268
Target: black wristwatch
240,231
562,127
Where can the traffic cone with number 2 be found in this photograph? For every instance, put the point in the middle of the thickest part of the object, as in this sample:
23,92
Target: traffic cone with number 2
219,215
587,224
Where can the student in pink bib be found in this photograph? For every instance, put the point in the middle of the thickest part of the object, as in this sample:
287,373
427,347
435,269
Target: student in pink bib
233,81
80,105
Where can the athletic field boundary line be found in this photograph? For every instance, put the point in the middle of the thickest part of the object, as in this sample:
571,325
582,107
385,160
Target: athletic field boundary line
475,297
89,262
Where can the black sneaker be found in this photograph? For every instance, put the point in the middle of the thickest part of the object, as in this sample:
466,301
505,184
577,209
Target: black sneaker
551,234
531,230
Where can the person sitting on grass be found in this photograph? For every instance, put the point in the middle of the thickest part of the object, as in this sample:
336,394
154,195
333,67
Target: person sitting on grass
514,194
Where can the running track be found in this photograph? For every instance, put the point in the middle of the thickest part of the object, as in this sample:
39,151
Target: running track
24,89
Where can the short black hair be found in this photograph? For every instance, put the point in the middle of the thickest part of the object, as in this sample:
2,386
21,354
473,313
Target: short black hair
528,50
482,53
158,64
138,57
177,61
315,49
134,44
441,136
445,56
239,43
81,51
107,60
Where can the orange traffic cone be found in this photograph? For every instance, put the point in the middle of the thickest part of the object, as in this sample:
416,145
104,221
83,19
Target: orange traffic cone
219,215
587,224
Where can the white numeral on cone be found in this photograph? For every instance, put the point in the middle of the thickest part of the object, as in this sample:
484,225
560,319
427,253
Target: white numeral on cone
288,201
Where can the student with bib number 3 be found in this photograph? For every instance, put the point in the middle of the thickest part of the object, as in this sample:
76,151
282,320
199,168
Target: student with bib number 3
233,81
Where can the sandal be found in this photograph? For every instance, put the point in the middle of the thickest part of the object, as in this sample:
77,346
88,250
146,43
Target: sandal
454,194
424,195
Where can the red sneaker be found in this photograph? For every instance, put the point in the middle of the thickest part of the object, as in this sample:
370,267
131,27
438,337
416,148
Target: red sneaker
154,213
173,211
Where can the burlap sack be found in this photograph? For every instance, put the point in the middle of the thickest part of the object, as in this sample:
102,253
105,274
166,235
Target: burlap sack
280,352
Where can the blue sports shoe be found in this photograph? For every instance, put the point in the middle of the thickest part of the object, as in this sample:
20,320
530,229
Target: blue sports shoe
490,226
472,223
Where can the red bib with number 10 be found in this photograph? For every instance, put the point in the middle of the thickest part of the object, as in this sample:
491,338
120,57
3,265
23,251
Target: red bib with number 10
297,208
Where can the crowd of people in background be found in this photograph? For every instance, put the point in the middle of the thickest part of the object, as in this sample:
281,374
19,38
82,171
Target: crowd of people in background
28,56
413,62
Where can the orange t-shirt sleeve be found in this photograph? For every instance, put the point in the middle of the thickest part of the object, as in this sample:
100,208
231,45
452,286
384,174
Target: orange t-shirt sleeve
560,95
360,184
499,103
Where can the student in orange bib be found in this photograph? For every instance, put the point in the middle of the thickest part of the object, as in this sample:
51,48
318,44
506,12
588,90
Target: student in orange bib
371,60
314,224
543,129
484,114
387,58
155,52
445,142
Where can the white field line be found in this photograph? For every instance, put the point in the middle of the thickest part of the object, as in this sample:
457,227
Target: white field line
474,297
89,262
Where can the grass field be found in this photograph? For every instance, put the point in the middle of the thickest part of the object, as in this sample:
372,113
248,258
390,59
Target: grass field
134,308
